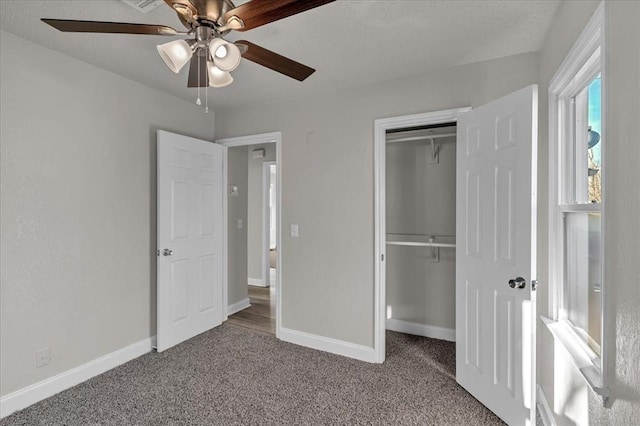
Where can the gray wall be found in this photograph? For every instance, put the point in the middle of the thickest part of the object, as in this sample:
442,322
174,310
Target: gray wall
237,238
622,227
327,183
565,389
78,217
255,213
421,199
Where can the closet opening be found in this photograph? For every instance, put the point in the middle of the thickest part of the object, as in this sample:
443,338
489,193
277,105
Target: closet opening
415,230
420,222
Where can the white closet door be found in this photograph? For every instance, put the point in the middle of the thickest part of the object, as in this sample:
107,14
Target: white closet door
496,237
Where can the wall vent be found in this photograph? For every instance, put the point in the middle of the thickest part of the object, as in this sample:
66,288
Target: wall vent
143,6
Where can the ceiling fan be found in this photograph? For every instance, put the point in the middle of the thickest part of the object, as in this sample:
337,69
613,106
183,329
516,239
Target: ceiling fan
211,57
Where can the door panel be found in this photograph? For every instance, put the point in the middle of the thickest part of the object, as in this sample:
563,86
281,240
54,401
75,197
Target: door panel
208,272
504,214
503,331
473,213
179,289
190,229
473,316
179,219
495,227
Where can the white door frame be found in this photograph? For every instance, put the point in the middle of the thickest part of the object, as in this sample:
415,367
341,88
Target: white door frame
266,219
273,137
380,286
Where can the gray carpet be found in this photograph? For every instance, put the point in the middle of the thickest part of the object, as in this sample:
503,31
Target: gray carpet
232,376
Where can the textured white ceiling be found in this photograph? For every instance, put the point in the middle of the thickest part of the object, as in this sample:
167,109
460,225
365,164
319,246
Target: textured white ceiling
349,43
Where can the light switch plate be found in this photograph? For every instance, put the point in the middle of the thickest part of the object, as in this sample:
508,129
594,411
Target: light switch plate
294,231
239,223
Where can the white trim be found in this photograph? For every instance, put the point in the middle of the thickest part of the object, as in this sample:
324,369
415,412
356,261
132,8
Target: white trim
327,344
225,231
588,42
432,331
266,219
251,139
273,137
607,319
257,282
238,306
546,414
44,389
582,357
380,128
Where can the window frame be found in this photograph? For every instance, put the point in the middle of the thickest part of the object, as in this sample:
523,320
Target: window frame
582,64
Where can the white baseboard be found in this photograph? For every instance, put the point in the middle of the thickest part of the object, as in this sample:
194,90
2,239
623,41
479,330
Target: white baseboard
327,344
22,398
258,282
432,331
543,408
238,306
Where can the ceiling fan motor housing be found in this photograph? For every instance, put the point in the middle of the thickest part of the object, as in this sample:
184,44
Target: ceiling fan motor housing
195,13
204,35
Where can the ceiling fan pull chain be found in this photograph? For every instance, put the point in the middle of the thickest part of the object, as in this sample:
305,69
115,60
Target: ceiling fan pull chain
206,87
198,101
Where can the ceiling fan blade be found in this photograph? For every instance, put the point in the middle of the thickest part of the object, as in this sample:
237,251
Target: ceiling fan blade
272,60
69,25
260,12
198,76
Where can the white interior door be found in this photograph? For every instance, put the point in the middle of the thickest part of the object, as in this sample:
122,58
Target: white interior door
190,243
495,232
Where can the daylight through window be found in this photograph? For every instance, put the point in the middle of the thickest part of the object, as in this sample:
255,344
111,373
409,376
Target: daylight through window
581,210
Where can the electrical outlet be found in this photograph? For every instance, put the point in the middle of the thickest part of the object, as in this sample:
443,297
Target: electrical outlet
43,357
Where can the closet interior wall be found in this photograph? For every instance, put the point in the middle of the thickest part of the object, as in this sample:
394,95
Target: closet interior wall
421,202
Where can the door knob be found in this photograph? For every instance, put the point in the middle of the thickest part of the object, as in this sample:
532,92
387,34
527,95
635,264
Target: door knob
167,252
518,283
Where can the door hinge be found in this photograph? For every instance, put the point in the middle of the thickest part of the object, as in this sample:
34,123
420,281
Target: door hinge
158,252
534,285
382,257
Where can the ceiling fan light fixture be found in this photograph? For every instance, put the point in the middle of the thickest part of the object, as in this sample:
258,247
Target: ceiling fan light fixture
175,54
217,77
221,52
226,56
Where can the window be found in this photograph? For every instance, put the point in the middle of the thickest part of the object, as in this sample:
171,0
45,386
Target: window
580,171
577,167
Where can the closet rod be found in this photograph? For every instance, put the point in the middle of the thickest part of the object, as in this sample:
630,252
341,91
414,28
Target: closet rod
419,244
419,138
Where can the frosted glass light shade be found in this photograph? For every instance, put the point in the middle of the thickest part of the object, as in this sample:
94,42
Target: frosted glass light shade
217,77
226,56
175,54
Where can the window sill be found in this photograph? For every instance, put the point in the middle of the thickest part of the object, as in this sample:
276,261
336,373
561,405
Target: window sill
582,357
